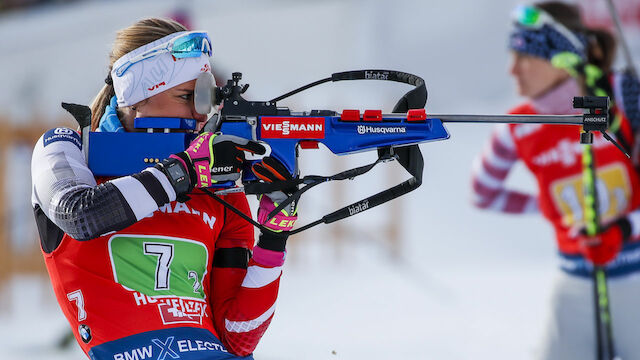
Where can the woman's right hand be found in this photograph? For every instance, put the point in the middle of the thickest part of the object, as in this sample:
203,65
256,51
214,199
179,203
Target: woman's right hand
271,170
212,158
603,247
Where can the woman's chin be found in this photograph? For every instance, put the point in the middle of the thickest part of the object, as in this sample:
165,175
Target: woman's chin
521,91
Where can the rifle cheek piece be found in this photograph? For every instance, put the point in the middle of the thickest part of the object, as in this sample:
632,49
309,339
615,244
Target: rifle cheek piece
205,94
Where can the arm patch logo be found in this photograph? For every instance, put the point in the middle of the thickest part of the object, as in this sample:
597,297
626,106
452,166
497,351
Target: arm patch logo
62,134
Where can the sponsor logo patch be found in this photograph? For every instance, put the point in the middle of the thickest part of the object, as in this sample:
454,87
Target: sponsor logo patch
85,333
62,134
376,75
221,169
178,311
170,348
365,129
358,207
292,127
174,309
156,86
566,152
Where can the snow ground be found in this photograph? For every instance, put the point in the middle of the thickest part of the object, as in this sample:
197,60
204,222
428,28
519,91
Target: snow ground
467,284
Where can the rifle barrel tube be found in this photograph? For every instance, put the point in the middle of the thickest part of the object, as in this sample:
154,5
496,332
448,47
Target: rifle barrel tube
514,119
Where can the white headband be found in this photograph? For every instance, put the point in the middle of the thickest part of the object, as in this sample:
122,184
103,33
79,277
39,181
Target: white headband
153,75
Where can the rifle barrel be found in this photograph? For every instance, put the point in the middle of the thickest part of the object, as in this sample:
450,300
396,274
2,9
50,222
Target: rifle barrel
515,119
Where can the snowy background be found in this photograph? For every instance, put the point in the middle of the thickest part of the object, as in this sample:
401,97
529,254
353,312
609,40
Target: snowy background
458,283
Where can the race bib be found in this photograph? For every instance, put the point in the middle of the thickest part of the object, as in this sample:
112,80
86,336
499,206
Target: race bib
614,194
158,265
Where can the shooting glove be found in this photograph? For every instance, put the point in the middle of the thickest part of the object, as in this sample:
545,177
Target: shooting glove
271,170
209,159
605,246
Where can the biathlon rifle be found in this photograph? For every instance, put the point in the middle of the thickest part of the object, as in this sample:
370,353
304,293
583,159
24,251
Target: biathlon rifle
395,136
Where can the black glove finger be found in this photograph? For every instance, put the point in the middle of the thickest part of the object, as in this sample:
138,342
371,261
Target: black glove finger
263,173
252,147
271,170
239,160
276,167
241,143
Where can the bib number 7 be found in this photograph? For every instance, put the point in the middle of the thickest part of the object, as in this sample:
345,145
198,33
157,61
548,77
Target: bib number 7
165,255
158,265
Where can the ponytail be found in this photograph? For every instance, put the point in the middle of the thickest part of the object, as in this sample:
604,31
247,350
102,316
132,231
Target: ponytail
99,103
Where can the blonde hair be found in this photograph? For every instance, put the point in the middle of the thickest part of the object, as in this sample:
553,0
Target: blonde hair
127,40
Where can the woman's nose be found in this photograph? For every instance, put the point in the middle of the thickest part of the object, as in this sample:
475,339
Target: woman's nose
514,67
196,115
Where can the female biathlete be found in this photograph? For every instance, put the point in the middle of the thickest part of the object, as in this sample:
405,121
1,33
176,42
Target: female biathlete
554,58
148,266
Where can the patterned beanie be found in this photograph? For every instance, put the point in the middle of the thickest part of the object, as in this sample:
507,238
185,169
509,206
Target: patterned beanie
545,42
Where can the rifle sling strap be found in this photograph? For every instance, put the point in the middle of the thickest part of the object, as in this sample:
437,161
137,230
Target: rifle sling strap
409,157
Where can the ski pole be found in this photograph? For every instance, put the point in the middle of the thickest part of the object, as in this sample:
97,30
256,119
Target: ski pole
625,47
604,331
605,348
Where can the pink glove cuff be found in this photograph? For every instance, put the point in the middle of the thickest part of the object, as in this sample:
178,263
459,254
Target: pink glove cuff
268,258
200,153
280,222
203,174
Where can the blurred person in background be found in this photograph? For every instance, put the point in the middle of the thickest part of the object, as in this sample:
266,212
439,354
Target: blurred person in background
140,269
554,58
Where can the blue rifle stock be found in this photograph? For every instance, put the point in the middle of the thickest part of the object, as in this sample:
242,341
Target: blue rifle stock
283,134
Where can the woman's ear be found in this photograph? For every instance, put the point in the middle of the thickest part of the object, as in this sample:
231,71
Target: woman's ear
136,107
126,116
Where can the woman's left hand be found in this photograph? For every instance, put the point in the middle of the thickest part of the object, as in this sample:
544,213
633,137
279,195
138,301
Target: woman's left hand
213,158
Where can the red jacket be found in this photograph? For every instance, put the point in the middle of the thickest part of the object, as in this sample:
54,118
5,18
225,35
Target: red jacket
553,154
159,274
